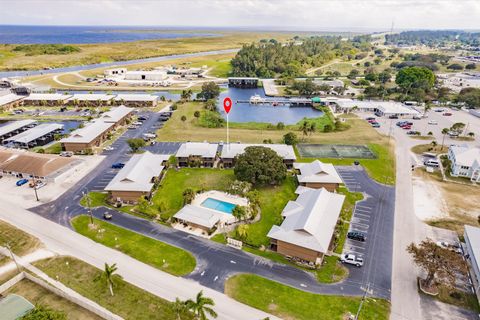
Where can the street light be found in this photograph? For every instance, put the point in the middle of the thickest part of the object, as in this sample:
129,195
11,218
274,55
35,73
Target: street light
35,187
13,256
87,197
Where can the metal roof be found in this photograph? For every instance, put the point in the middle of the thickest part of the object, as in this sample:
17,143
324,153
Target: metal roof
88,133
35,132
8,98
91,97
14,125
317,172
14,307
115,114
233,149
47,97
203,149
198,215
465,156
138,173
136,97
310,220
473,235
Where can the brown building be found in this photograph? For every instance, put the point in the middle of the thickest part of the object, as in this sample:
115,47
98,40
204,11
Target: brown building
308,226
46,99
318,175
232,150
9,100
137,178
191,153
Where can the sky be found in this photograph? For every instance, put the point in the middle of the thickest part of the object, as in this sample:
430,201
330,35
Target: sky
309,15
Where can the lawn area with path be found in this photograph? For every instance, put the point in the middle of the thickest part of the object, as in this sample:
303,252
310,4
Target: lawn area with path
129,301
160,255
290,303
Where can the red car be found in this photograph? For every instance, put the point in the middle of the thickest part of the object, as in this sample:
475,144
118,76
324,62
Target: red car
407,127
447,114
371,120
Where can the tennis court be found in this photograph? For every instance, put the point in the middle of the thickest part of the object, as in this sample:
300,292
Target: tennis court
335,151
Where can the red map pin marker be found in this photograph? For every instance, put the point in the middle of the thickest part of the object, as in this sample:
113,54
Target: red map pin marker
227,104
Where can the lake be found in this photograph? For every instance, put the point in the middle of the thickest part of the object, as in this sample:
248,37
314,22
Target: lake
88,34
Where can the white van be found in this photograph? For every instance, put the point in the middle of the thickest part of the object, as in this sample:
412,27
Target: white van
432,163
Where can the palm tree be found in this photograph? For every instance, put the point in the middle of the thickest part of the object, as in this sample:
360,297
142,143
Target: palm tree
471,134
242,231
304,128
200,307
179,307
427,108
444,132
312,128
108,275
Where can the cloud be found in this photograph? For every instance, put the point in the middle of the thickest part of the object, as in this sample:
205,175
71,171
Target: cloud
314,15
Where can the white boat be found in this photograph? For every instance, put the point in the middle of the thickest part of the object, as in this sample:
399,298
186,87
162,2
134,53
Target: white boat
256,99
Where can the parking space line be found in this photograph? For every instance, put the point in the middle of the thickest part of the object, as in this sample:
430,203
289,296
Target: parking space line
360,225
362,215
364,207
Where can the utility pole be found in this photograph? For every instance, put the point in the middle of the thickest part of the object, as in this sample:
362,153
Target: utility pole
13,256
361,302
87,197
35,187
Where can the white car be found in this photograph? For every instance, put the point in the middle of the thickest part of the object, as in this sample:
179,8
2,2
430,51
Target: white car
351,259
450,246
40,184
138,123
432,122
66,154
108,148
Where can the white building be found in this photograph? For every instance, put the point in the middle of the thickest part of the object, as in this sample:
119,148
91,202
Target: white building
465,162
115,72
202,152
230,151
383,108
472,242
318,175
156,75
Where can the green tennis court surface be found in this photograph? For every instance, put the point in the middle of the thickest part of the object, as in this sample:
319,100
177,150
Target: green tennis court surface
335,151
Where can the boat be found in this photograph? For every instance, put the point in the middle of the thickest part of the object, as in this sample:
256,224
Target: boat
256,99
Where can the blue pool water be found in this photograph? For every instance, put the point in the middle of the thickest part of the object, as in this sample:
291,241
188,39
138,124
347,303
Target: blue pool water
218,205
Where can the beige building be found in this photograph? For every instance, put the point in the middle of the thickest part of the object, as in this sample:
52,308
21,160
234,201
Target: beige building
203,153
232,150
46,99
308,226
318,175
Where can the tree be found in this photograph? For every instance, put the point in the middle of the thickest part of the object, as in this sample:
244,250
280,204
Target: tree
239,187
371,76
201,307
458,127
455,66
179,307
384,76
290,138
188,196
183,118
280,126
196,114
210,105
327,128
210,90
304,128
242,231
260,166
353,74
415,77
471,66
437,262
108,273
239,212
135,144
186,95
471,134
44,313
444,132
471,97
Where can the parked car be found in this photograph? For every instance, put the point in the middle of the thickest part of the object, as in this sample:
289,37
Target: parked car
118,165
137,123
447,114
413,133
370,118
376,125
438,110
66,154
108,148
407,127
455,247
432,122
142,118
417,118
351,259
131,127
453,134
393,116
432,163
21,182
355,235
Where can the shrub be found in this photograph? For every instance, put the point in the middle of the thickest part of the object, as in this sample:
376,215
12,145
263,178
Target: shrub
290,138
188,196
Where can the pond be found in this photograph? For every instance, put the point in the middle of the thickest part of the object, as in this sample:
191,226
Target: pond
244,112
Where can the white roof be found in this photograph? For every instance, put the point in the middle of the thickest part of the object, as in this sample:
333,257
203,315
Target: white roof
8,98
88,133
138,173
115,114
317,172
47,97
473,235
465,156
203,149
14,125
136,97
35,132
310,220
162,72
234,149
91,97
385,106
198,215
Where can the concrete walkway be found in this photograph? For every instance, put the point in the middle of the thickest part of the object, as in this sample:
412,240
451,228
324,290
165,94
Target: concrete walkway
64,241
29,258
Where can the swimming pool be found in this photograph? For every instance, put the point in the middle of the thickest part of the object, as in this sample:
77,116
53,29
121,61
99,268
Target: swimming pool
218,205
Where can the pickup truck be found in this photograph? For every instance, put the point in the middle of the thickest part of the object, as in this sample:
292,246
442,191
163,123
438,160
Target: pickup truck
350,258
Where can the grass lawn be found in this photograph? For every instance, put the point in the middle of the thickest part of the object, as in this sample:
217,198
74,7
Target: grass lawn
272,202
168,199
331,270
97,199
421,148
20,242
129,301
38,295
150,251
290,303
459,298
